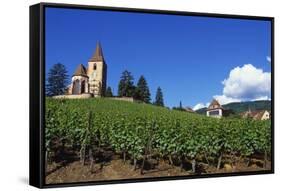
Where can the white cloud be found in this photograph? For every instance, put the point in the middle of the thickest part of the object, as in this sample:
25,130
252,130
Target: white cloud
268,58
222,99
262,98
200,105
247,83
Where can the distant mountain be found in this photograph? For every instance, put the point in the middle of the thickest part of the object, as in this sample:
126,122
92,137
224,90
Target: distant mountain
239,107
201,111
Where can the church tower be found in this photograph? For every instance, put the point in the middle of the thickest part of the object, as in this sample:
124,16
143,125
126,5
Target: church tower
97,72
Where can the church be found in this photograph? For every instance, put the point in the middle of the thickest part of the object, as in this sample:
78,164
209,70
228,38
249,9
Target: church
90,80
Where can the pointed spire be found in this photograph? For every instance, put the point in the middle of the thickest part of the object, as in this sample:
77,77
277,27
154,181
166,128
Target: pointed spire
80,71
98,55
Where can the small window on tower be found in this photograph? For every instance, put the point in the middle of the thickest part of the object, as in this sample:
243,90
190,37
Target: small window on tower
95,66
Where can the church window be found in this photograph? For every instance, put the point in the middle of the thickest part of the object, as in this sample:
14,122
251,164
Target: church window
95,66
83,87
76,87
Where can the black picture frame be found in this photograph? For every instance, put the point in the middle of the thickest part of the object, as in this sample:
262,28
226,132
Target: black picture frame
37,92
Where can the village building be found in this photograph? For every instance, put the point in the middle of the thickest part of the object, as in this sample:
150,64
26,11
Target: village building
215,109
257,115
262,115
90,80
189,109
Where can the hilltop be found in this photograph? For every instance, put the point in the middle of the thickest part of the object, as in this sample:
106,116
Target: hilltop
239,107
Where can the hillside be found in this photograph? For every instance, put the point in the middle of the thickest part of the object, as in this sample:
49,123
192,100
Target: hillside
117,107
95,138
239,107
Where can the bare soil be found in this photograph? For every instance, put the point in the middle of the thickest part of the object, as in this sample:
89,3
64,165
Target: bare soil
116,169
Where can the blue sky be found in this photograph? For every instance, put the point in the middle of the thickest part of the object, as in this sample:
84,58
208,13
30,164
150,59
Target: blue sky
188,57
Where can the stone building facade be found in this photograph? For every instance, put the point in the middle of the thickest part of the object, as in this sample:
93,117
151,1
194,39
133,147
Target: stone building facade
90,80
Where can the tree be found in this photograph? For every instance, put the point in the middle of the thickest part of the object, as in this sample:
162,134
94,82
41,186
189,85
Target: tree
159,101
108,92
180,108
57,80
142,91
126,85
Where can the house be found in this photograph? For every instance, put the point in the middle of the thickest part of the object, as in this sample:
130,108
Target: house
215,109
189,109
257,115
262,115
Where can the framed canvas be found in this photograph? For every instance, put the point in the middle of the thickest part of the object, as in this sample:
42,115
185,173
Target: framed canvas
127,95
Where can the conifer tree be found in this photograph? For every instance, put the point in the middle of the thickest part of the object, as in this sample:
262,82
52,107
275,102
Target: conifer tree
108,92
142,92
159,101
126,85
57,80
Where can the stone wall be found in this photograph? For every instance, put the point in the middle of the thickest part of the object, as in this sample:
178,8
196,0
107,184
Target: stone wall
86,95
79,96
129,99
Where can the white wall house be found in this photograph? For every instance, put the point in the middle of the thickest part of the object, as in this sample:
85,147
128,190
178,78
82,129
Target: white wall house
214,109
265,115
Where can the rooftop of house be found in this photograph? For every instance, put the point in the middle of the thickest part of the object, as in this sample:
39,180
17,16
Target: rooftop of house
254,114
189,109
214,105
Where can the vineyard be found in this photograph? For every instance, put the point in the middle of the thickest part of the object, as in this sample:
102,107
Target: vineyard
144,134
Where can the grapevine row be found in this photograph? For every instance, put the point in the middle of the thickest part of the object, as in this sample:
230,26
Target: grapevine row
140,132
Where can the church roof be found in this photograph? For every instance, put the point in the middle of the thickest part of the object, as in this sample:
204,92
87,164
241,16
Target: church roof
98,55
215,105
80,71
